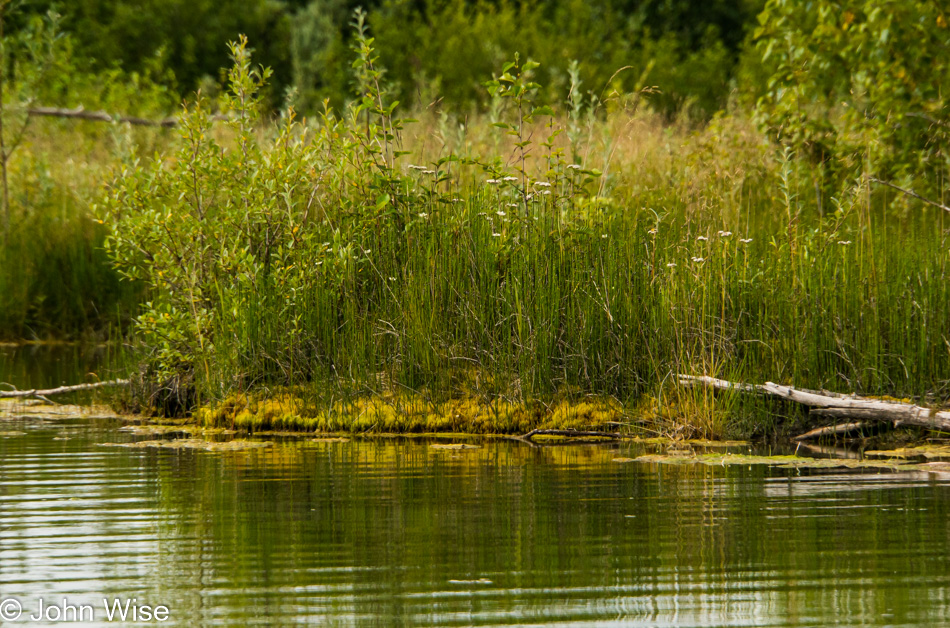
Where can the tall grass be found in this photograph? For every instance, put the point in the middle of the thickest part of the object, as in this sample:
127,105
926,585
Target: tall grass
56,279
516,261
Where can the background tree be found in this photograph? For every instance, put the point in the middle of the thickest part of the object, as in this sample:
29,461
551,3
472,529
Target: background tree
861,81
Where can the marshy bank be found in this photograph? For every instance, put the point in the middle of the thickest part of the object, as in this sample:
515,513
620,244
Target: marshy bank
376,270
535,264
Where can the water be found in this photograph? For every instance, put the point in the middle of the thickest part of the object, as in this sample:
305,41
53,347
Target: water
51,365
396,532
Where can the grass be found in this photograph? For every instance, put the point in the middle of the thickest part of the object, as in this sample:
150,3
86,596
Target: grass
57,280
302,276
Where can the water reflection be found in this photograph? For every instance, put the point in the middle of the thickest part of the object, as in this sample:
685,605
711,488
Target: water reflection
50,365
396,532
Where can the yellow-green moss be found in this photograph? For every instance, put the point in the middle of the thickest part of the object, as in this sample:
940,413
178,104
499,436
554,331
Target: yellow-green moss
406,412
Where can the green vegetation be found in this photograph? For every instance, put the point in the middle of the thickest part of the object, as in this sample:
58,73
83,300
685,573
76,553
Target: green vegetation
434,49
559,246
56,280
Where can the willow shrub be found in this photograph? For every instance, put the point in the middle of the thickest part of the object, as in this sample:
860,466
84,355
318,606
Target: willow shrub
256,249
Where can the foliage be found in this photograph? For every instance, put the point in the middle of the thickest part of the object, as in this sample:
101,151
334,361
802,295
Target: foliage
184,36
54,276
541,255
436,49
860,82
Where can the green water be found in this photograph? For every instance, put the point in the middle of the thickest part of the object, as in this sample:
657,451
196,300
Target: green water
49,366
396,532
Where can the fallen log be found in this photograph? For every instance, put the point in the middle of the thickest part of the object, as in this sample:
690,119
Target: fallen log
836,404
62,389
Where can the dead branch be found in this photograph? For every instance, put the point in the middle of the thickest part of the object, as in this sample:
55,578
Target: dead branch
836,404
61,389
80,113
910,192
831,430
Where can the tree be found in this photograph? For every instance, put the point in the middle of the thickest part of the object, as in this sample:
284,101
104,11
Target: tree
863,81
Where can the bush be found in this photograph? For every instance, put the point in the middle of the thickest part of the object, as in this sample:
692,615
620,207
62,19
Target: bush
860,85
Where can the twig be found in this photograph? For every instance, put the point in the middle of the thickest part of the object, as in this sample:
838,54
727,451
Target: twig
910,192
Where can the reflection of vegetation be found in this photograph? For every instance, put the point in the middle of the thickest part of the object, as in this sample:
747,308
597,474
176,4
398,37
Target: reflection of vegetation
790,462
374,528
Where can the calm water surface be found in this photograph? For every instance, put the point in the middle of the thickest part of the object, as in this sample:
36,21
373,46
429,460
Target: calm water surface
395,532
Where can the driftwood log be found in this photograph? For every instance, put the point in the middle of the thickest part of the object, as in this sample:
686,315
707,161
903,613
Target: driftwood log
62,389
836,405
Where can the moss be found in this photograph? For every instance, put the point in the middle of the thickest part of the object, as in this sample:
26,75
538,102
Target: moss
406,413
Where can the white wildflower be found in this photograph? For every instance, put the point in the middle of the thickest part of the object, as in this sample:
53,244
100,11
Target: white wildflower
496,235
701,239
423,215
510,179
542,184
652,231
844,242
493,181
725,234
604,236
413,167
428,172
500,213
745,240
574,167
392,279
699,259
671,265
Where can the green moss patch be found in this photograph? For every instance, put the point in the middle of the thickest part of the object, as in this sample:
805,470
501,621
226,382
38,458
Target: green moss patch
406,413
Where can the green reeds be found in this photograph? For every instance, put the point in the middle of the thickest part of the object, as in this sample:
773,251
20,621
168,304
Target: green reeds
334,260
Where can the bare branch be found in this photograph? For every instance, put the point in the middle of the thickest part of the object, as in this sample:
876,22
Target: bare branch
909,192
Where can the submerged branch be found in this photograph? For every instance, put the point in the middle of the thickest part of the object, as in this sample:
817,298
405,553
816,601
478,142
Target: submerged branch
571,433
831,430
61,389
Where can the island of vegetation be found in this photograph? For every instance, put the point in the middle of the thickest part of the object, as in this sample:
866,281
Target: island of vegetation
402,229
